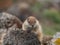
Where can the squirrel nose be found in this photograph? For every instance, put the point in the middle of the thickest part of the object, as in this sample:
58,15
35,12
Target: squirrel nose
32,25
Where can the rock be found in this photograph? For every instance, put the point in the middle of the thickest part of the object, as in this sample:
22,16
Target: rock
7,20
19,37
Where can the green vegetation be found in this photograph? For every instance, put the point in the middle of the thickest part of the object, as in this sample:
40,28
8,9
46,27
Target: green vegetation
51,19
50,30
52,15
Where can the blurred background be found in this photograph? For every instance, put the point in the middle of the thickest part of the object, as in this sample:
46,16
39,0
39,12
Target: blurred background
46,11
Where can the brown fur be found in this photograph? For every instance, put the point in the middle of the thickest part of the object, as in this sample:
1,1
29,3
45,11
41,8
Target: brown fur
32,21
